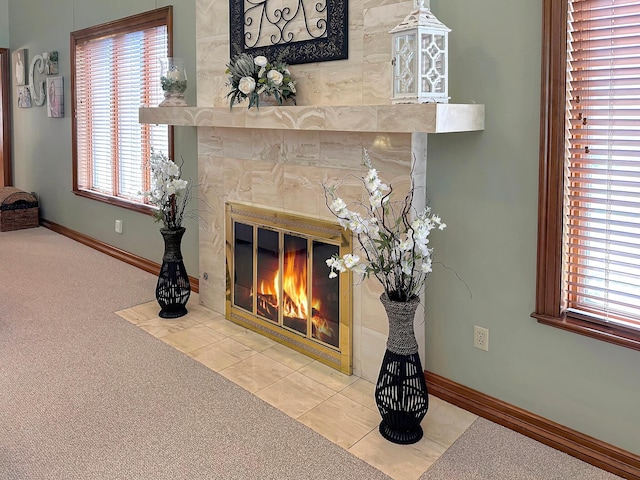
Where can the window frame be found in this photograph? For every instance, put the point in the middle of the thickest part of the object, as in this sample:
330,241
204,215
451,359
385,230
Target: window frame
5,120
141,21
549,298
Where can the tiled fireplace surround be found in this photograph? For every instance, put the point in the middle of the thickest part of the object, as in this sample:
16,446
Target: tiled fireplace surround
279,157
284,170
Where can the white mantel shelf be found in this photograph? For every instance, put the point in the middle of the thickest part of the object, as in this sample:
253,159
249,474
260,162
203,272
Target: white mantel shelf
403,118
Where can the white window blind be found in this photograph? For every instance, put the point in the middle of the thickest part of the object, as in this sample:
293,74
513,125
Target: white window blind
116,75
602,184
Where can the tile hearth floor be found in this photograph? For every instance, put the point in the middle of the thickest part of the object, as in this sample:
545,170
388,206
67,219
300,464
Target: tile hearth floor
338,406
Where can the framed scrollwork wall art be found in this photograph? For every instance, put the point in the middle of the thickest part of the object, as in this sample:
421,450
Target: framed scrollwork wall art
294,31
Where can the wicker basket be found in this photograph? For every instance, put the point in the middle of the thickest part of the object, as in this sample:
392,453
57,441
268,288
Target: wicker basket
18,209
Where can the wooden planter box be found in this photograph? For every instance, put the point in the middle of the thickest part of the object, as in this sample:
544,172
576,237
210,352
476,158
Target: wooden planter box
18,209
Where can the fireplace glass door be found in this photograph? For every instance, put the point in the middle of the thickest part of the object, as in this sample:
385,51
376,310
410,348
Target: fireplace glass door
291,281
280,283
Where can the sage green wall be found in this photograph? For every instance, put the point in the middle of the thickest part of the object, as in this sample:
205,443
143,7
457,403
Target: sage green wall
485,187
42,145
4,23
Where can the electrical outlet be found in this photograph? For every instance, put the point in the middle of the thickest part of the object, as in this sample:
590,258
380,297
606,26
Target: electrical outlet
481,338
118,226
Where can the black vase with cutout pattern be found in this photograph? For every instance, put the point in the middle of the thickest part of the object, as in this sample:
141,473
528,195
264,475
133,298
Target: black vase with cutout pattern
173,288
401,390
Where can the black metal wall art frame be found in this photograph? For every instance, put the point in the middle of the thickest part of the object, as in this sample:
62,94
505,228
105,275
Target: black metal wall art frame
297,31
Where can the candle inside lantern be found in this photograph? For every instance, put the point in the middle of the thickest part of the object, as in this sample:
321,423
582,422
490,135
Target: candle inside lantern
173,80
173,74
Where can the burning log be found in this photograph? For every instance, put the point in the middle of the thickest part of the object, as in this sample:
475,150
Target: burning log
322,329
291,308
267,306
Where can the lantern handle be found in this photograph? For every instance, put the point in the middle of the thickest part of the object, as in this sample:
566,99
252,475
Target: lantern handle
421,4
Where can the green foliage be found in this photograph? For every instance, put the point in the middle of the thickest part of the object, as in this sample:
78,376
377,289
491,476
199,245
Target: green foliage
173,86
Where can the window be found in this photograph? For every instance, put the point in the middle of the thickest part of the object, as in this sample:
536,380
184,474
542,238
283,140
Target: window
588,275
115,70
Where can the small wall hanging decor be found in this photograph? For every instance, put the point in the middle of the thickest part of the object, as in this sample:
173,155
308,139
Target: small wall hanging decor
301,31
24,97
50,63
20,66
55,97
36,86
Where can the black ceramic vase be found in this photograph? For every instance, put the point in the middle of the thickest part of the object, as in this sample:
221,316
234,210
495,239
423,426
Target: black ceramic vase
401,391
173,288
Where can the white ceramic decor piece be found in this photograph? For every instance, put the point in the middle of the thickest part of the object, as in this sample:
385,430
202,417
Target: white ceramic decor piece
419,47
38,95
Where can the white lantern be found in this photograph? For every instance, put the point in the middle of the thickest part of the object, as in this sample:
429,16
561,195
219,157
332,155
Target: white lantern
420,49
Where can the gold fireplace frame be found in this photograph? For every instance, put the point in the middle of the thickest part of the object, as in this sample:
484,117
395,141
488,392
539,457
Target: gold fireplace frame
339,358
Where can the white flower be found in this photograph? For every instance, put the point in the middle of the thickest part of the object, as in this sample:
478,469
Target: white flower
406,244
180,184
422,247
338,206
375,199
426,265
373,231
357,225
406,264
350,260
343,222
247,85
171,169
336,263
261,61
371,180
360,269
275,76
373,183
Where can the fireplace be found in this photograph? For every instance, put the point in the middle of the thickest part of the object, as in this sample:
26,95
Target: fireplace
280,158
278,281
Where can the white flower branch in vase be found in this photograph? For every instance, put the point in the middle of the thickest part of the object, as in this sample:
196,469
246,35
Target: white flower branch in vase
393,237
394,243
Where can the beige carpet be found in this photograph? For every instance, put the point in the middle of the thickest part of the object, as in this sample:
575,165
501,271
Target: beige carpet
486,451
86,395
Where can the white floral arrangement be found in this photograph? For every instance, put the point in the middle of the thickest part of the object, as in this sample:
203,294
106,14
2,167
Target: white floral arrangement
169,193
393,237
251,77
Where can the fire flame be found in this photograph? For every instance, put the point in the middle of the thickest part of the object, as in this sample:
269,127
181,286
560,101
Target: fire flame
294,297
